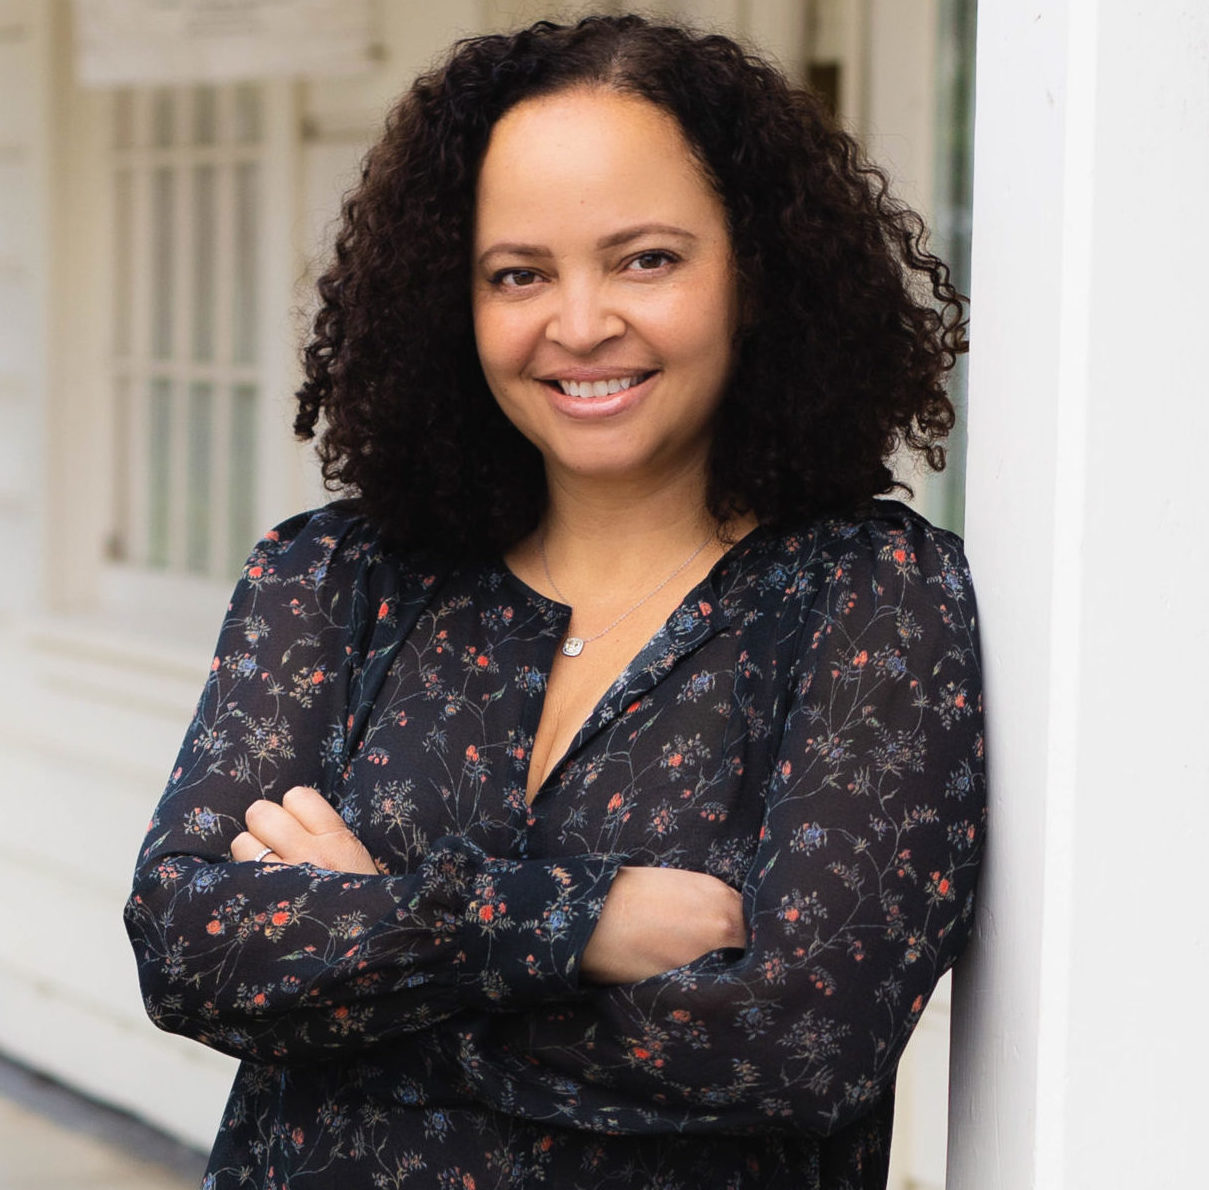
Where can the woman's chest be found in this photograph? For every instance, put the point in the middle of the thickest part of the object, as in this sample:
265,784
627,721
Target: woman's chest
667,768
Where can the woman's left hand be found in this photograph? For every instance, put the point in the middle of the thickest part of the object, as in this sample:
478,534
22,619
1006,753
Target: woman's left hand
303,829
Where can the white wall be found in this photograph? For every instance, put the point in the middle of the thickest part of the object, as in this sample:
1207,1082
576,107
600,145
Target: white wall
1081,1048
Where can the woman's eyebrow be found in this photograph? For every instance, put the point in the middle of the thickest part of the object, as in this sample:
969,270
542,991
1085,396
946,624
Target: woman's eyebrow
507,248
633,233
613,240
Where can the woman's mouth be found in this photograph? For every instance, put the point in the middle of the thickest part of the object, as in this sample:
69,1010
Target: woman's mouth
586,389
597,398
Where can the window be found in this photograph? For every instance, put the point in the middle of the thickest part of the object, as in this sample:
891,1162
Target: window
187,176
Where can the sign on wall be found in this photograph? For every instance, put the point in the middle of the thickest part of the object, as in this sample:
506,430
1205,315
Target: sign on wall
122,42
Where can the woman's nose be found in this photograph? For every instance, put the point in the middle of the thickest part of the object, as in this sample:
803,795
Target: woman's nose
584,318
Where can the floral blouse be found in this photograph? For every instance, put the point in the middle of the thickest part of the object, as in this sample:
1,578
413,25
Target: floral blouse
805,726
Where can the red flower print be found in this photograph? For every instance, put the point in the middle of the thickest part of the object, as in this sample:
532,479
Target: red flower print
383,610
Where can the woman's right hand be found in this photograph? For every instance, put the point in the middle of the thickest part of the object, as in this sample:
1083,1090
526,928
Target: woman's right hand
657,919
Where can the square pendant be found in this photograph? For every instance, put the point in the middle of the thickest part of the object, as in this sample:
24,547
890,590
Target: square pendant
573,646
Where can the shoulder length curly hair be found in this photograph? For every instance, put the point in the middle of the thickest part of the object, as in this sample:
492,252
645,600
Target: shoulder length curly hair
849,326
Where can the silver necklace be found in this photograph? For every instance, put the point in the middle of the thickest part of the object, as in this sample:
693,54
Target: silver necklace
574,645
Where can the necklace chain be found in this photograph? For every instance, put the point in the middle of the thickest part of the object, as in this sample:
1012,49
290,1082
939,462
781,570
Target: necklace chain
574,645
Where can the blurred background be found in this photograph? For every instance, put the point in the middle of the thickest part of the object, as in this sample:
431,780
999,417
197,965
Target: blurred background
169,174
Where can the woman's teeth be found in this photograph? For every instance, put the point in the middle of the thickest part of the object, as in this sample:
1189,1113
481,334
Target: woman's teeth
598,388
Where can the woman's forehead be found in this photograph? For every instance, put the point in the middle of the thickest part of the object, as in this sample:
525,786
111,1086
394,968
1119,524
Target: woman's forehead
594,161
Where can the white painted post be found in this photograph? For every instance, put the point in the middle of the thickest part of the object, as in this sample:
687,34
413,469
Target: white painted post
1079,1039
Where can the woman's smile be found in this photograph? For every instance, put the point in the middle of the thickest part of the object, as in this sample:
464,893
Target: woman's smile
586,398
592,386
604,291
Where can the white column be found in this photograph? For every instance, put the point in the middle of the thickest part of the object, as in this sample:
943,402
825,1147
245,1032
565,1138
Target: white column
1079,1040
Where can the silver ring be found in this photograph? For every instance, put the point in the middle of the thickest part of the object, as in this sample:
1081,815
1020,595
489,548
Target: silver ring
260,855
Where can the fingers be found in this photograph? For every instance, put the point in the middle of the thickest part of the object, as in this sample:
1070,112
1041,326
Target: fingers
313,810
276,827
247,847
305,829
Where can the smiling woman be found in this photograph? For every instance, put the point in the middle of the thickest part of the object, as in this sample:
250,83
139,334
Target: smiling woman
595,796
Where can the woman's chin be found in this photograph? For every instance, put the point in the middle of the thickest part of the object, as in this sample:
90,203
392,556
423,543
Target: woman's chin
623,468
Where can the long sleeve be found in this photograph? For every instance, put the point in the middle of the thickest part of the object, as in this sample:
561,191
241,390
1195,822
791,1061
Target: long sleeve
291,963
859,897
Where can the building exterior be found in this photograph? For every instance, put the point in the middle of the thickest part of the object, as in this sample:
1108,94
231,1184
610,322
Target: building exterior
156,241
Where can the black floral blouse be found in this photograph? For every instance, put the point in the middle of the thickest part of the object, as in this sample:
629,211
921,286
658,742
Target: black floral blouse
806,726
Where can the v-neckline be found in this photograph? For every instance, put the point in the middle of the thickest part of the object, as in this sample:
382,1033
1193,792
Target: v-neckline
694,620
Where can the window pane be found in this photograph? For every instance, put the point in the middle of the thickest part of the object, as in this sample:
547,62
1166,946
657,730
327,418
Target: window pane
163,224
205,115
200,432
123,247
159,470
244,337
247,114
205,251
163,119
242,453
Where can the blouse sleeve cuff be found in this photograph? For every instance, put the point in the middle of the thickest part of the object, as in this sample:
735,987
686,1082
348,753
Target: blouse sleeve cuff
521,926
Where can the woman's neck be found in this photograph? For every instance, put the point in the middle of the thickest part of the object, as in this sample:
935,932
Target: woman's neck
601,542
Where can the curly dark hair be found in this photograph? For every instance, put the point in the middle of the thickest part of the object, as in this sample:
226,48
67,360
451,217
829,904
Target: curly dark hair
850,324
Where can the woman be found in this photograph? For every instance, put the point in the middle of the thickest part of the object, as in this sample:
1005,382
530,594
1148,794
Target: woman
595,798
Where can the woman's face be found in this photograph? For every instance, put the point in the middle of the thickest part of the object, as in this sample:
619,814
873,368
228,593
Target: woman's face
604,292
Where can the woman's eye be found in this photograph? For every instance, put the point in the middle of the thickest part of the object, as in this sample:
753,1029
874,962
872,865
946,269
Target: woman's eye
514,278
646,262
